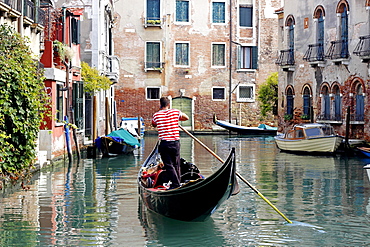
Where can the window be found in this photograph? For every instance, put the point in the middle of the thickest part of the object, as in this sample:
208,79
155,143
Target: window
247,57
245,93
245,16
360,103
75,31
289,102
59,103
325,103
337,104
218,12
153,10
218,55
306,102
153,92
182,11
218,93
182,54
153,55
78,105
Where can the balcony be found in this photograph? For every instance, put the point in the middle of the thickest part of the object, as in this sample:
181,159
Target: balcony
363,49
286,60
315,55
153,22
357,118
154,66
329,118
112,68
338,52
12,8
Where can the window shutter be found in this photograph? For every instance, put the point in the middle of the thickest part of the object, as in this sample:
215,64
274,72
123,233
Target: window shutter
254,57
239,61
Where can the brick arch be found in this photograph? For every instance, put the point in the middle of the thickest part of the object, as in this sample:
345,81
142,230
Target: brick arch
341,5
306,86
355,83
325,85
289,20
291,88
319,10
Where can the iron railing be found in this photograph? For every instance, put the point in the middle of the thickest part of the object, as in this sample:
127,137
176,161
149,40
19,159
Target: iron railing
338,50
363,47
314,53
286,57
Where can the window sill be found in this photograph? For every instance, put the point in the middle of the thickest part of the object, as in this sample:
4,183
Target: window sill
246,70
245,100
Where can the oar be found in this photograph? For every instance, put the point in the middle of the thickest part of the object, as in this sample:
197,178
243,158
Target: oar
243,179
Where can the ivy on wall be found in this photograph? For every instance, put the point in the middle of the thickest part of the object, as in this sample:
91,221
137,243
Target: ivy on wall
93,81
23,102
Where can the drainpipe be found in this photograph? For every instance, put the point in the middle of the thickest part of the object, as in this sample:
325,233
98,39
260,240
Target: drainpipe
230,61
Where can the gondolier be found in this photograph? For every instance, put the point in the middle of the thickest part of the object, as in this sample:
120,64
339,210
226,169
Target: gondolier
167,122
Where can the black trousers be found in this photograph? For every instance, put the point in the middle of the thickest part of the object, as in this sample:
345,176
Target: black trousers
170,154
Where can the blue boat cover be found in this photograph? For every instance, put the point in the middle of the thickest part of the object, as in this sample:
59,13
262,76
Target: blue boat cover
266,127
120,136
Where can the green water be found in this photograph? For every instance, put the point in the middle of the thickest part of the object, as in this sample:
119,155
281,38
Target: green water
95,202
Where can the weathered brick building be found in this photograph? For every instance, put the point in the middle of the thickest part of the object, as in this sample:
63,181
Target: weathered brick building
324,64
207,55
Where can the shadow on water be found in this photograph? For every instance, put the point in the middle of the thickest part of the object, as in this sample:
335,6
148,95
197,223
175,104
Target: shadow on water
163,231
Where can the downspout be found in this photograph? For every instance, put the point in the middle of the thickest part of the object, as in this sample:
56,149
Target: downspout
230,61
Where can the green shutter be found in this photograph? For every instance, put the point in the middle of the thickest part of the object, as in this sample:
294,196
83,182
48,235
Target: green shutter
254,57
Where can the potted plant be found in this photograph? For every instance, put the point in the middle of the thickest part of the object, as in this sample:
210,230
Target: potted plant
288,117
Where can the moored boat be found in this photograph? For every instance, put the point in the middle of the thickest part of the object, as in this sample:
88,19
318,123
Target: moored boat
117,142
134,125
312,137
196,199
262,129
364,150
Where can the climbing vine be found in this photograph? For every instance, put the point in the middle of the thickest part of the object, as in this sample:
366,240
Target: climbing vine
93,81
23,103
268,95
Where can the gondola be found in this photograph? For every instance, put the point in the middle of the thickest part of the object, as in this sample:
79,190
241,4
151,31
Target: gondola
196,199
262,129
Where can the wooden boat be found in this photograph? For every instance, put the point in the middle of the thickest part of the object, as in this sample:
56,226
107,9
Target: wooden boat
117,142
364,150
367,168
262,129
196,199
311,137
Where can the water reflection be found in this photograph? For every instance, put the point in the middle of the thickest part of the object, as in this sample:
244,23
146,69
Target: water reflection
96,203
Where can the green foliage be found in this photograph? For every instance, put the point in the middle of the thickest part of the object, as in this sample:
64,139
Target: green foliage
93,81
23,103
268,94
64,51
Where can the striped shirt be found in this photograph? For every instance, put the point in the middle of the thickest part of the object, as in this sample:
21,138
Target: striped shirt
167,122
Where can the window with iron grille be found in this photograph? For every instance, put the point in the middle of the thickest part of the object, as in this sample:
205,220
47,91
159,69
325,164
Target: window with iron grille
153,55
245,93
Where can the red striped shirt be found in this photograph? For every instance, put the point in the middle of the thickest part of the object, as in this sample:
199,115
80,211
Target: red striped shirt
167,122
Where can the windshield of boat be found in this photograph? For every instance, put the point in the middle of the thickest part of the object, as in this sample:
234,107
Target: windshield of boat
312,132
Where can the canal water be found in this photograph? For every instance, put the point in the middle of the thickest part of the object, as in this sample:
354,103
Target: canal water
96,203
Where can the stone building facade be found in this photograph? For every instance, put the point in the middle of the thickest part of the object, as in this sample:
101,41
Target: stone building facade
324,49
209,56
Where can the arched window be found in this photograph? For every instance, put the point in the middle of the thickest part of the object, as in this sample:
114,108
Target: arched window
325,102
289,102
360,103
337,103
343,9
307,102
290,23
319,15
